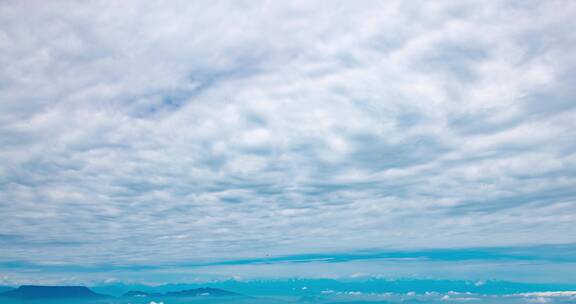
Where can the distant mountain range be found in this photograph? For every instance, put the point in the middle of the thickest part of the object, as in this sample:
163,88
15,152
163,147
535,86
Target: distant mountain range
214,292
81,292
138,293
51,292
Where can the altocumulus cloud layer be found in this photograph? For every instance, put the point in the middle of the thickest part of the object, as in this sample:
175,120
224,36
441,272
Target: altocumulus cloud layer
177,134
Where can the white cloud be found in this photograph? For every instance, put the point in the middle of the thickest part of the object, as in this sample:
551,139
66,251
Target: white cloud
265,128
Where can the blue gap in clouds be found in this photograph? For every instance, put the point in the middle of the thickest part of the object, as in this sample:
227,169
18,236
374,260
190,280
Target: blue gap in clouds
560,253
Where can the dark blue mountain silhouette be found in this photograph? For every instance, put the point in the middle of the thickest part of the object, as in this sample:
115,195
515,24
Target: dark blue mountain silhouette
50,292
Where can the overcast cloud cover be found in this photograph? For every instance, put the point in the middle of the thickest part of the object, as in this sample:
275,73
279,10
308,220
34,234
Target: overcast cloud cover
177,135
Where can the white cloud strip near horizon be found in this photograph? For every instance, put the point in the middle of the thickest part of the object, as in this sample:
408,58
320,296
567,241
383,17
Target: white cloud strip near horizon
138,132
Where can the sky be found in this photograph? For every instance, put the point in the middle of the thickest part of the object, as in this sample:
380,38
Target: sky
175,141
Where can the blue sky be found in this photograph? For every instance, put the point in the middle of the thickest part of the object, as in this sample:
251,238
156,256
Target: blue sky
180,141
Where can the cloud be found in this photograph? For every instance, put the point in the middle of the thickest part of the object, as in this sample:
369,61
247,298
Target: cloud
141,133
